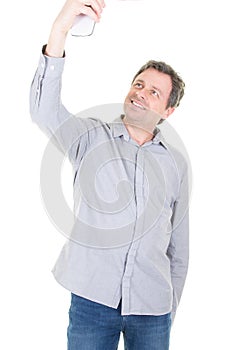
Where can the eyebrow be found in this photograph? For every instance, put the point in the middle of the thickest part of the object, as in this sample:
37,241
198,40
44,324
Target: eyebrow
154,87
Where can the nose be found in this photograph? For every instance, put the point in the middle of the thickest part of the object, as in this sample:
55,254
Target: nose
141,94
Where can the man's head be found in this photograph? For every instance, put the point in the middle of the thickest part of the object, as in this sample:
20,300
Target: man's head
155,92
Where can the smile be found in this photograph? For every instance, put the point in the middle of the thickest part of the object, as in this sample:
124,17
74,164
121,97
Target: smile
138,105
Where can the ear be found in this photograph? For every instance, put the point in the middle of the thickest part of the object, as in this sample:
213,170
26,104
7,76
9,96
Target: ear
168,112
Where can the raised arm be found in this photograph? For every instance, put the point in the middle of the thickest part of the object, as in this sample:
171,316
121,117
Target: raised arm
46,107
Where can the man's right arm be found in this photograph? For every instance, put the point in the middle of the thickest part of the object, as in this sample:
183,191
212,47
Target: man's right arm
46,107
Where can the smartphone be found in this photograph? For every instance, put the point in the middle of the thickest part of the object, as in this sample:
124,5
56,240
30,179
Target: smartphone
83,26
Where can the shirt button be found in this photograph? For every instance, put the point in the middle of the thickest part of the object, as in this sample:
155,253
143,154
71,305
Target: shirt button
52,67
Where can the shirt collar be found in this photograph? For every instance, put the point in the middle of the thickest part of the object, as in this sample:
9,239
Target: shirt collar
119,129
158,138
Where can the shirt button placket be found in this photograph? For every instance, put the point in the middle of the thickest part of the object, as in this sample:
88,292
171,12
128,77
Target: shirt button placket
134,244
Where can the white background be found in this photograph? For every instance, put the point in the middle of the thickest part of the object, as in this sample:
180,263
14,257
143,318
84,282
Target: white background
195,37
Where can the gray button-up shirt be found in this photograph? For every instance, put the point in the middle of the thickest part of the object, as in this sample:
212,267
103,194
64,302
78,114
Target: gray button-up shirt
130,236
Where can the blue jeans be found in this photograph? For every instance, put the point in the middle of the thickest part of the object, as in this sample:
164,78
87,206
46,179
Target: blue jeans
94,326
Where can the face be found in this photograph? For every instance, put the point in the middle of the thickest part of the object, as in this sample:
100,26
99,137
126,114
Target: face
147,99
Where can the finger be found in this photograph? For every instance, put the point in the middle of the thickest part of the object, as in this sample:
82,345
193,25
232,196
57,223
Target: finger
87,10
91,2
96,6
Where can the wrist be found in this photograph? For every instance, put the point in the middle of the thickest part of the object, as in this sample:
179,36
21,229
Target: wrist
56,42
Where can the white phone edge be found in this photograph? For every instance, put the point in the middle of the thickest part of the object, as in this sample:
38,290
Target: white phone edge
83,26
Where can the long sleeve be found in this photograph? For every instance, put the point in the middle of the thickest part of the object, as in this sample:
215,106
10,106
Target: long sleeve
45,95
178,250
47,110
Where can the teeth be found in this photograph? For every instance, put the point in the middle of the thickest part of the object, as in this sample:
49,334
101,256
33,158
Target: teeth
137,105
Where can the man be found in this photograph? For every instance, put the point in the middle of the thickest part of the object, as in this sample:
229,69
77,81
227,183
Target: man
127,256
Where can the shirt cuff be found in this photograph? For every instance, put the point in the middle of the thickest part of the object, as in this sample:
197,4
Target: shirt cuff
50,66
44,49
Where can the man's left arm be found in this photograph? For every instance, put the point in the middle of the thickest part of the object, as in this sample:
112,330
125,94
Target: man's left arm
178,250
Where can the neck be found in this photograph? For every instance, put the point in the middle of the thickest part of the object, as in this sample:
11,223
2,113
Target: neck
137,133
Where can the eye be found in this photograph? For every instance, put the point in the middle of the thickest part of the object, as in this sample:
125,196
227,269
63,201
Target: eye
138,85
155,93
